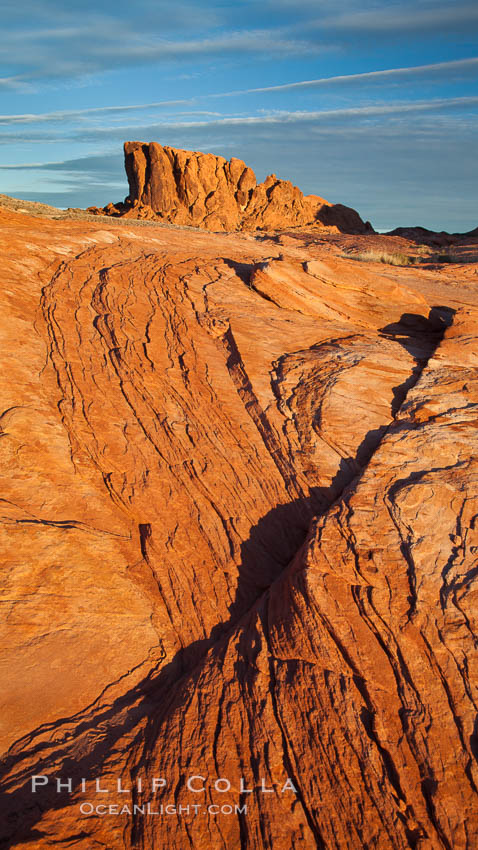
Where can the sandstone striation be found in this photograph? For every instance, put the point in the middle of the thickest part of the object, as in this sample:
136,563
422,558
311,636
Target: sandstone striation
204,190
239,536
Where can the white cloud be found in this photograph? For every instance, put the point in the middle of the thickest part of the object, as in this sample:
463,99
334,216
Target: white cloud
293,117
437,68
432,17
16,83
71,52
41,117
58,40
368,76
147,130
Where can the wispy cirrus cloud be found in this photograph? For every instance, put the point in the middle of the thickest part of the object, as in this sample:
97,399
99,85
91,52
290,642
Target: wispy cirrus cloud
297,117
460,66
69,52
339,111
157,129
54,40
419,17
385,75
423,17
17,83
73,114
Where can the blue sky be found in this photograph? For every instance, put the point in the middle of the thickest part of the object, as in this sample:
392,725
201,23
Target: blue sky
371,104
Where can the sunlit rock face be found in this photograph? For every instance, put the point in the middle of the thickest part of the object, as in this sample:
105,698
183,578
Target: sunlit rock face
239,537
208,191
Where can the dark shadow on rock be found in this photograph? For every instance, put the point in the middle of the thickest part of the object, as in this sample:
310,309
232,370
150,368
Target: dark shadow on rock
474,740
242,270
345,219
416,326
347,470
272,543
350,468
420,336
79,746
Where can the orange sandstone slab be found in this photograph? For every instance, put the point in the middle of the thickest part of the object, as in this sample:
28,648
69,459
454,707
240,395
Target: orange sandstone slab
238,531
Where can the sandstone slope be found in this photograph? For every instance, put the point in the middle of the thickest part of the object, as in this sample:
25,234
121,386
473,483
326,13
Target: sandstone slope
204,190
239,535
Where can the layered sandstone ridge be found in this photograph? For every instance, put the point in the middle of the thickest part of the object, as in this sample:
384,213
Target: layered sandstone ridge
238,523
204,190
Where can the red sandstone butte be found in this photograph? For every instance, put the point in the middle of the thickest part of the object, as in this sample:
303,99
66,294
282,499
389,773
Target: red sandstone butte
239,536
204,190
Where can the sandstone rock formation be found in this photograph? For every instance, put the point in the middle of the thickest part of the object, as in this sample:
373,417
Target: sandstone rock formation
239,540
204,190
430,237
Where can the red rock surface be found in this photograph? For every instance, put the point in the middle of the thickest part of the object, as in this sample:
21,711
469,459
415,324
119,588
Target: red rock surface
203,190
239,532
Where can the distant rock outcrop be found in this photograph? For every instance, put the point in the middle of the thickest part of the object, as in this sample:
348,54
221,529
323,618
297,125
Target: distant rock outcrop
204,190
424,236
